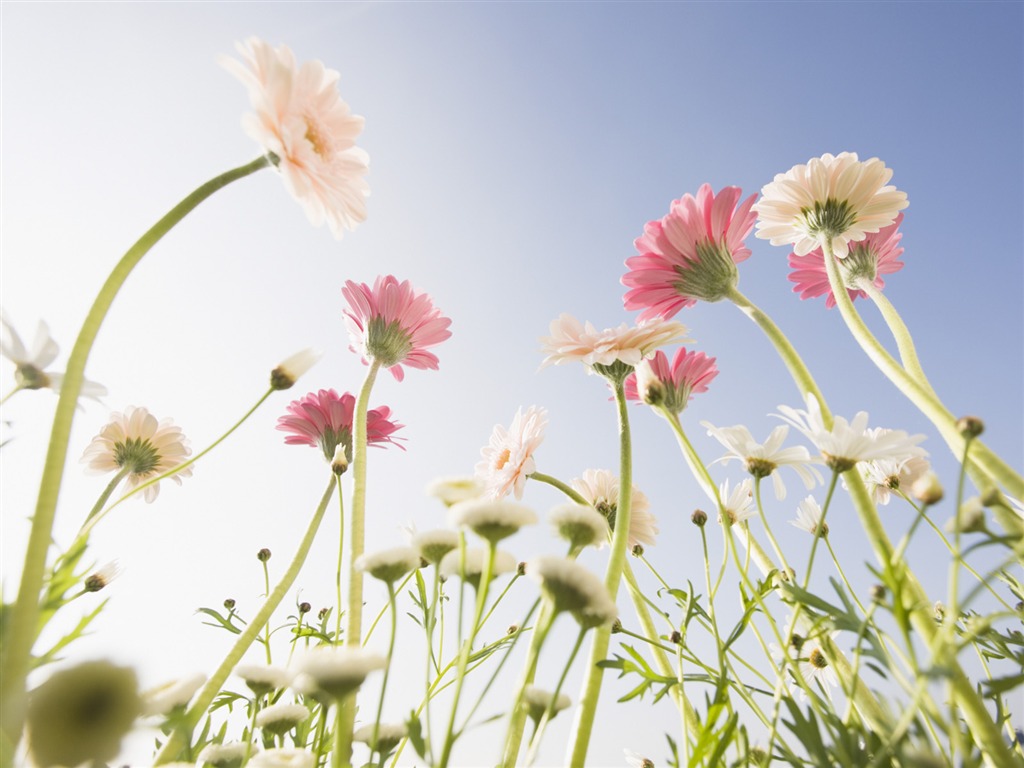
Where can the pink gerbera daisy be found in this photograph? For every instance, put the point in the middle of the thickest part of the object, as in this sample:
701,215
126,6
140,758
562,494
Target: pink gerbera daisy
690,254
309,130
324,420
876,255
671,386
393,324
508,457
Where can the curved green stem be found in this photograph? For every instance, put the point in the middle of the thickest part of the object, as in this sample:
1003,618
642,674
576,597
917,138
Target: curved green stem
98,506
18,646
387,668
556,483
900,332
211,688
11,394
517,720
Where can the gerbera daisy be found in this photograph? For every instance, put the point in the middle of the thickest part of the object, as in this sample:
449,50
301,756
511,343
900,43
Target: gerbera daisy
508,457
762,459
671,386
136,443
876,255
600,488
324,420
309,130
691,254
393,324
838,199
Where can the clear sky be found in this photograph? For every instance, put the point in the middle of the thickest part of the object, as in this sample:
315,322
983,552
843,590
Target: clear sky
517,149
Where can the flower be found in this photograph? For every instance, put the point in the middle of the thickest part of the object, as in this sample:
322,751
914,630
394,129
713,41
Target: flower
450,490
293,368
808,517
814,665
690,254
571,341
847,443
600,488
389,565
580,525
671,387
636,760
537,701
229,755
388,736
491,519
135,441
324,419
286,757
393,324
837,199
762,459
28,366
434,545
278,719
310,132
474,567
883,476
164,698
263,679
102,576
738,503
335,671
571,587
876,255
508,456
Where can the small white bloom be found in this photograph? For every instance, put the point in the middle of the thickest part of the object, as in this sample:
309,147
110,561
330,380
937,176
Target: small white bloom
580,525
29,366
450,490
491,519
227,755
972,517
537,700
434,545
263,679
176,693
808,517
883,476
335,672
389,565
294,367
762,460
281,718
739,502
283,758
475,558
814,665
102,576
388,736
573,588
636,760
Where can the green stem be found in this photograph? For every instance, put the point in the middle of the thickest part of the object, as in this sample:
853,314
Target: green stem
900,332
387,669
204,698
98,506
18,646
341,553
556,483
11,394
549,710
517,721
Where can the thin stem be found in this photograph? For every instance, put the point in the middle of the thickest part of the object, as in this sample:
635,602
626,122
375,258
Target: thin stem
18,643
98,506
556,483
387,668
11,394
549,710
341,554
384,610
517,720
266,591
900,332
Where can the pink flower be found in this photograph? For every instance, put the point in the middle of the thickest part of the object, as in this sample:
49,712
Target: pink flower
508,457
690,254
876,255
301,119
570,341
324,419
655,382
393,324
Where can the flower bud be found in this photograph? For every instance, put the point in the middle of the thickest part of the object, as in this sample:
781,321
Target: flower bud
340,461
940,611
512,629
878,593
648,386
288,372
323,613
927,489
970,426
616,626
521,568
263,555
638,550
94,582
676,637
304,608
699,517
230,603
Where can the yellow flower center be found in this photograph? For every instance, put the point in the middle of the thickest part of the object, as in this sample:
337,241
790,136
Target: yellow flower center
321,142
502,459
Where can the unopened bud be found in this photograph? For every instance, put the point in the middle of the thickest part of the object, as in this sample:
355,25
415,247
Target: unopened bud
94,582
970,426
797,641
230,603
263,555
340,461
676,637
638,550
1020,606
322,613
991,497
940,611
616,626
521,569
512,629
304,608
971,518
699,517
878,593
648,386
927,489
289,371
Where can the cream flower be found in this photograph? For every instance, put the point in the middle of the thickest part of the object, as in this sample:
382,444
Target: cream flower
281,718
636,760
292,368
814,665
572,341
579,524
283,758
227,755
388,736
449,490
600,488
491,519
508,456
571,587
300,118
135,441
883,476
739,502
171,695
335,672
263,678
434,545
808,517
389,565
537,700
29,366
762,459
833,198
474,567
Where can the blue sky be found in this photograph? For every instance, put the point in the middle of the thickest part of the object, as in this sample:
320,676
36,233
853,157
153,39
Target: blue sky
517,149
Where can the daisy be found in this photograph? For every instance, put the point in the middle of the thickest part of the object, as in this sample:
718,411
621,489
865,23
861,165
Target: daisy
508,457
434,545
691,254
230,755
307,129
172,695
671,386
474,566
762,459
814,665
29,366
848,443
278,719
537,700
876,255
571,587
835,199
600,488
388,736
491,519
738,503
324,420
808,517
262,679
389,565
335,671
293,368
285,757
636,760
580,525
101,577
136,443
392,324
449,490
883,476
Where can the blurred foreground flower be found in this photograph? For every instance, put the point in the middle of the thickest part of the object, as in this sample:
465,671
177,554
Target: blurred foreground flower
508,457
135,443
691,254
836,198
671,386
335,672
571,587
393,324
301,119
324,420
28,366
600,488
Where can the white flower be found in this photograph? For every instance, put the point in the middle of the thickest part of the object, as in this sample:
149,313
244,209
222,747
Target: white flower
434,545
835,198
580,525
263,679
571,587
762,460
815,665
389,565
491,519
102,576
847,443
808,516
29,366
283,758
230,754
739,502
508,456
600,488
336,672
281,718
636,760
388,736
450,490
176,693
883,476
571,341
537,700
293,368
475,558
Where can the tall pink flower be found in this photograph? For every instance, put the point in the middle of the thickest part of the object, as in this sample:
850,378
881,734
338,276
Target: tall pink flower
301,119
508,457
393,324
876,255
671,386
691,254
324,420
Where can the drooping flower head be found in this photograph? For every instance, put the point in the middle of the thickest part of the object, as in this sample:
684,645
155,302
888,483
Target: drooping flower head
671,386
876,255
833,198
691,254
508,457
136,441
300,118
613,352
762,460
324,420
571,587
29,366
393,324
600,488
334,671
